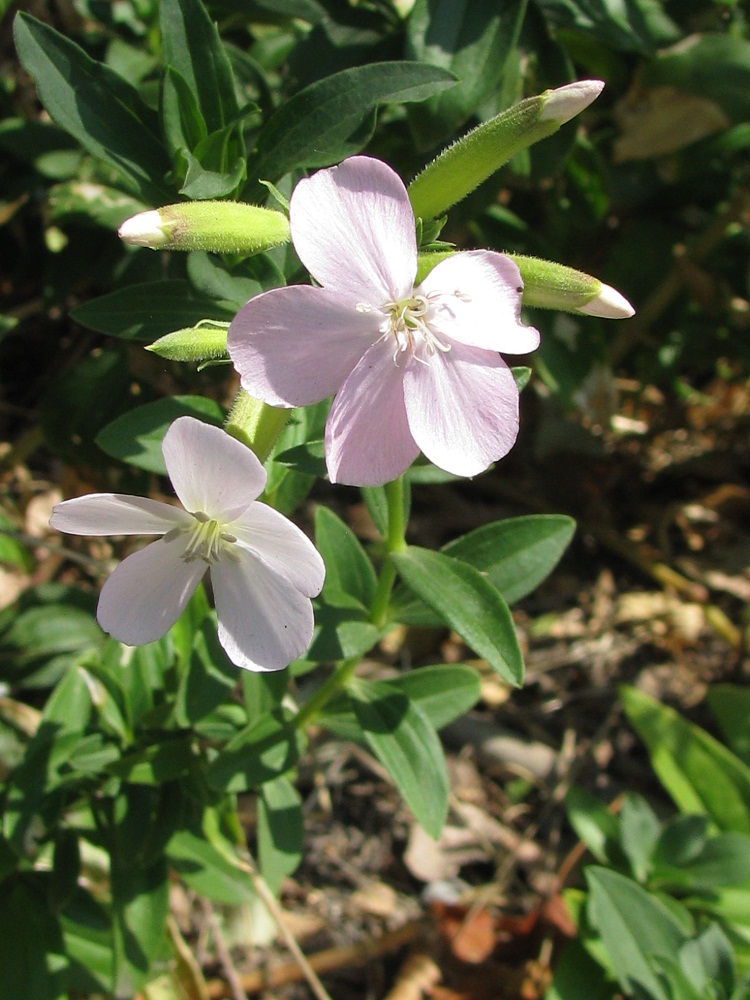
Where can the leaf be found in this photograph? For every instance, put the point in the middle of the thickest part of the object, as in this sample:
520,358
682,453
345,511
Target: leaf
466,602
280,831
343,629
515,555
405,743
594,824
470,38
634,927
691,66
32,955
193,47
259,753
442,693
136,436
730,705
145,312
334,118
96,106
700,774
348,567
207,871
639,833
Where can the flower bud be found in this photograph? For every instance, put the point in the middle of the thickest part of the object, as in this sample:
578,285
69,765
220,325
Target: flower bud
477,155
547,285
216,226
205,342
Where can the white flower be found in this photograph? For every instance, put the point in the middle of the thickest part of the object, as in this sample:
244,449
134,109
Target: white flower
264,570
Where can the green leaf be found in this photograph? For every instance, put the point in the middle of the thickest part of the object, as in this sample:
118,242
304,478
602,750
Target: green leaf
207,679
193,47
32,955
471,39
515,555
692,67
140,904
95,204
639,833
723,861
700,774
442,692
96,106
335,117
343,628
259,753
634,926
730,705
280,831
207,870
136,436
348,567
468,603
184,126
405,743
594,824
145,312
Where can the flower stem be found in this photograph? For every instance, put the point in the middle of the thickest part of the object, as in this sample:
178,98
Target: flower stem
395,542
335,683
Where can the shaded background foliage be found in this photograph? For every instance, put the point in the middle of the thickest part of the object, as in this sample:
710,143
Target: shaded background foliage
648,191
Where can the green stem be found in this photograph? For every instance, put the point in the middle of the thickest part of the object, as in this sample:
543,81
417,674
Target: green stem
335,683
395,542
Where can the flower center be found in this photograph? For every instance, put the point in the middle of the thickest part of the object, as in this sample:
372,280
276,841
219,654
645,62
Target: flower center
207,539
411,323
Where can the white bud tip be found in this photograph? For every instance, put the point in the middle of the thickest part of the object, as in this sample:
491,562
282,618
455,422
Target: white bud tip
143,230
608,304
566,102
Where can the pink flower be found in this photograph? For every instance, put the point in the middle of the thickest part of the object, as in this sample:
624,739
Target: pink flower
411,368
264,570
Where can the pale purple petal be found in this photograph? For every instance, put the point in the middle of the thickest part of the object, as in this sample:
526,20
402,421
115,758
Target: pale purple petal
264,621
210,470
353,229
116,514
368,441
490,315
462,409
147,593
295,346
280,544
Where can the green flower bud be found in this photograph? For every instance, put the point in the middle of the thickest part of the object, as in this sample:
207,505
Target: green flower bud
547,285
205,342
217,226
477,155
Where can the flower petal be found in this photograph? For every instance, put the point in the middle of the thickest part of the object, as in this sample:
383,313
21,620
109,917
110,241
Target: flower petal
295,346
210,470
353,229
264,621
368,441
280,544
116,514
147,593
462,408
488,314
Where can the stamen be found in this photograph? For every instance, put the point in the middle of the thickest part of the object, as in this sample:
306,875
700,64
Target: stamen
206,539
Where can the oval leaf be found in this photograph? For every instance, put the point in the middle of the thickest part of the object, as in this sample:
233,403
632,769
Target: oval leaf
468,603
